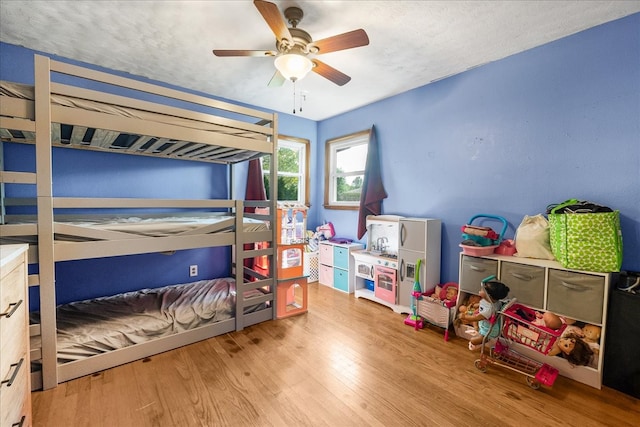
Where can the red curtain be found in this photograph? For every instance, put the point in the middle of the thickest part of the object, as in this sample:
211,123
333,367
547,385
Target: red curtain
255,191
255,183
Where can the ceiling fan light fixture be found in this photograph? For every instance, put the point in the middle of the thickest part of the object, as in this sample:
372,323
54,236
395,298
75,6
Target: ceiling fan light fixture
293,66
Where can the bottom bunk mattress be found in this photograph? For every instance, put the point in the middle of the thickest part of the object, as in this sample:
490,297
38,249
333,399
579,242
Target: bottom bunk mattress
90,327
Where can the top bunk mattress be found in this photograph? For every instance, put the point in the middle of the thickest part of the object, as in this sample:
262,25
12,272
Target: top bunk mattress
234,149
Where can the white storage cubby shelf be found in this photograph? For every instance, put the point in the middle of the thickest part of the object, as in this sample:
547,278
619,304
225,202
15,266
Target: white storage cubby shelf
337,266
545,285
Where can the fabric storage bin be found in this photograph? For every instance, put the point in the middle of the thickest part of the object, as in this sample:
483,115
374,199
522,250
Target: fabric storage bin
325,253
341,279
526,283
474,270
576,295
325,275
341,257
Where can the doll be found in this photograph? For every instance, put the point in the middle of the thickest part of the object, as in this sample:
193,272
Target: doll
573,348
437,291
470,307
490,293
591,334
548,319
449,294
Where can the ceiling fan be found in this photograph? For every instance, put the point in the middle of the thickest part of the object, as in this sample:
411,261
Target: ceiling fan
294,45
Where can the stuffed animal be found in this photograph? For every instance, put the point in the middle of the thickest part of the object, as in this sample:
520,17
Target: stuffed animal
325,231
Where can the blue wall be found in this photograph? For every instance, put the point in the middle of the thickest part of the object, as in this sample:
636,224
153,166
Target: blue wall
508,138
511,137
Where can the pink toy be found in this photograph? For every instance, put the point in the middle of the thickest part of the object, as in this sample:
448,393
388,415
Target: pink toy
325,231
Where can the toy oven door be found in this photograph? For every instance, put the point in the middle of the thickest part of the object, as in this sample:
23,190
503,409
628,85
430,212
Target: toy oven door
385,282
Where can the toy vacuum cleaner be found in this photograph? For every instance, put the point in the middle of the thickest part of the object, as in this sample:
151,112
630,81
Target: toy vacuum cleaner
413,319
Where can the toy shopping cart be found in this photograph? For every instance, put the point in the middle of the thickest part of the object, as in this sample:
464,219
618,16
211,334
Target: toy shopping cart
517,325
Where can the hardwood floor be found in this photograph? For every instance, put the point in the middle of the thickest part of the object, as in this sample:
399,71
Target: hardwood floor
347,362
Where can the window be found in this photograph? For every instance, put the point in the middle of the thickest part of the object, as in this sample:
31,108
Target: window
345,161
293,169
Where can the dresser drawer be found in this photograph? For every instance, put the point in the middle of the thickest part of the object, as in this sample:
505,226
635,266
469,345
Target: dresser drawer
474,270
325,255
12,324
341,279
13,405
13,338
525,282
341,257
576,295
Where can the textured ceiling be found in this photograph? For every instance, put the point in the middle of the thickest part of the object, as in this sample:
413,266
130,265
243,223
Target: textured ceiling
412,43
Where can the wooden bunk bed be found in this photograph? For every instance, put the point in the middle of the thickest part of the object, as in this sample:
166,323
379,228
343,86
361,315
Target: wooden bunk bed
142,122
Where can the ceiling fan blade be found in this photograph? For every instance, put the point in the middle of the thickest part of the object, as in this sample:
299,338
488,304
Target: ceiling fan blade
355,38
227,52
277,79
330,73
271,14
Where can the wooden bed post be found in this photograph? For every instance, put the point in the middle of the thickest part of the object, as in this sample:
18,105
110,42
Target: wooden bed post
273,197
2,196
238,256
44,190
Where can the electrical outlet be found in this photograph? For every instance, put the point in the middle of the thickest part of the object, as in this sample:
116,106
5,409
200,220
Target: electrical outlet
193,270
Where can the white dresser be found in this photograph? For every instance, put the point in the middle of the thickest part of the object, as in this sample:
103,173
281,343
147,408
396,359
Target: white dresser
15,387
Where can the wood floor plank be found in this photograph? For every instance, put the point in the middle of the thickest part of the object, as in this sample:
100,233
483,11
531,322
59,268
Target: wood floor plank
347,362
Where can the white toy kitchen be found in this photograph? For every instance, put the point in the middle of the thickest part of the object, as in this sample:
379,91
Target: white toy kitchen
385,270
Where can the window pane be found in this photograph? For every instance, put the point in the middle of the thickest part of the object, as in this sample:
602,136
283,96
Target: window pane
266,185
349,188
287,188
351,159
291,174
288,160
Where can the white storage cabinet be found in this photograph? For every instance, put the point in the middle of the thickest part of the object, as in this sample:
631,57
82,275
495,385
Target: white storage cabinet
337,266
546,286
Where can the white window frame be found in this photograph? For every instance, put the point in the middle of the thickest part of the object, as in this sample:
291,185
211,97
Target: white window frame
332,148
302,146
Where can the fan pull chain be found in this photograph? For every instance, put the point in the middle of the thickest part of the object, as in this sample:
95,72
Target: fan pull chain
294,97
